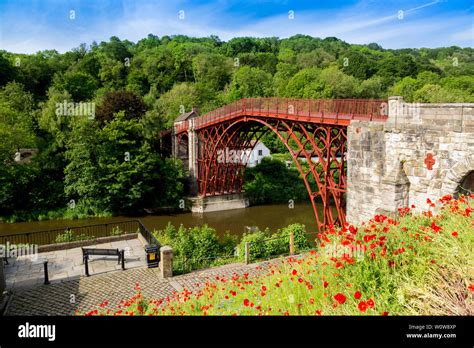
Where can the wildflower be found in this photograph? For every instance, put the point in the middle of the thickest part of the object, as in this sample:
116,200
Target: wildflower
362,306
435,227
370,303
357,295
454,234
384,314
340,298
246,302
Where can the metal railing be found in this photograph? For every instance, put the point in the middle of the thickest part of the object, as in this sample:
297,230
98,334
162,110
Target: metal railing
84,232
310,110
183,264
279,246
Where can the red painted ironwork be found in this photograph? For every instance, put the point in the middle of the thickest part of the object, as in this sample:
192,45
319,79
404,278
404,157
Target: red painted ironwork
314,131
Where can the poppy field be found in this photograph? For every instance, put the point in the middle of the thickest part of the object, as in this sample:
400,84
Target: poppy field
411,264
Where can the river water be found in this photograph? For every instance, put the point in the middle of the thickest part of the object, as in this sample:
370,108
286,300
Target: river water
235,221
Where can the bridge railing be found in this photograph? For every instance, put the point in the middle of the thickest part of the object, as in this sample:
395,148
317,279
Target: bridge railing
300,109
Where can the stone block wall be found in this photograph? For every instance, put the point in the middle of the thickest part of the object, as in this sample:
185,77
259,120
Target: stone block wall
422,151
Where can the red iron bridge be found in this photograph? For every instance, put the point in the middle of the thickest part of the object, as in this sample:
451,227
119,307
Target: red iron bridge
314,131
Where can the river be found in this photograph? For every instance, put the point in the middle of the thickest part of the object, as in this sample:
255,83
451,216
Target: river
273,216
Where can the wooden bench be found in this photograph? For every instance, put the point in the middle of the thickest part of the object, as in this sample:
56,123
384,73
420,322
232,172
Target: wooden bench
86,252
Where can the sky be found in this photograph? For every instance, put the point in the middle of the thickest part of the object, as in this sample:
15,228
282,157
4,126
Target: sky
35,25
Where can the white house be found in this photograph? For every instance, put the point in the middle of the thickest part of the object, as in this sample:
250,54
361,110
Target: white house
256,154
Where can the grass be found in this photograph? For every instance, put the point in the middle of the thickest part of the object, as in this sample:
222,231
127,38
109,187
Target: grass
413,265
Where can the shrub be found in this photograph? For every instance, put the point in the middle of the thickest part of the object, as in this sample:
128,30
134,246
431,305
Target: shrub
264,244
196,247
70,236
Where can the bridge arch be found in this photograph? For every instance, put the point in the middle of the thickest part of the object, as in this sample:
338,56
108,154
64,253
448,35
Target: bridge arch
319,145
459,177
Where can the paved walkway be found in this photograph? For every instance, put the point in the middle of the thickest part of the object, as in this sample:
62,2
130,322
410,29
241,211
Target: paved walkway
64,265
85,294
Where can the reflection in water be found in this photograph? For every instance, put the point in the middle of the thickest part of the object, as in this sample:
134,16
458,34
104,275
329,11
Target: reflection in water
235,221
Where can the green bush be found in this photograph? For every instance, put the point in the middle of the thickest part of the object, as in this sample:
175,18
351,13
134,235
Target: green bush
257,245
69,236
196,247
264,244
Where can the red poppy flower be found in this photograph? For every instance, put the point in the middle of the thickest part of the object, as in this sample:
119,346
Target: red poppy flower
340,298
362,306
454,234
325,284
294,272
357,295
471,287
311,300
384,314
246,302
370,303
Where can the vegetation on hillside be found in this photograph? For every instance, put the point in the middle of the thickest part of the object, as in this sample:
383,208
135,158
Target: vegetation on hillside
112,161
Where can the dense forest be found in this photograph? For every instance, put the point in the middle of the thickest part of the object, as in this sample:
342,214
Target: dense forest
111,163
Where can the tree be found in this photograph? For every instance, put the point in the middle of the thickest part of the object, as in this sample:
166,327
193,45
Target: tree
80,85
131,104
372,88
212,69
180,99
393,67
317,58
356,64
250,82
7,72
115,169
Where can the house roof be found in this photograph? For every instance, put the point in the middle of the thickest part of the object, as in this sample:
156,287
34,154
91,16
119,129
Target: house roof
183,117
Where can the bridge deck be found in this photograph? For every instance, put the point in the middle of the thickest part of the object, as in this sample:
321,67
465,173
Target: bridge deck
334,112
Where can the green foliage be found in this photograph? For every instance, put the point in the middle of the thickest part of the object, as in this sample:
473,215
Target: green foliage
69,236
197,247
132,106
250,82
264,244
116,231
80,85
152,81
115,169
272,182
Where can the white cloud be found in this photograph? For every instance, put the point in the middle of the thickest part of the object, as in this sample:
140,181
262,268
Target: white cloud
362,23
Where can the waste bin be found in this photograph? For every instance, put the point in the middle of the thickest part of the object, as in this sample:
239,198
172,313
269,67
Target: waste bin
152,256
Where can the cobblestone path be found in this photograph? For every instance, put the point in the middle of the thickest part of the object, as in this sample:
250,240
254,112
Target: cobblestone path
86,293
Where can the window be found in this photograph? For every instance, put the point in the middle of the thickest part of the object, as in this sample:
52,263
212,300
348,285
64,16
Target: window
260,152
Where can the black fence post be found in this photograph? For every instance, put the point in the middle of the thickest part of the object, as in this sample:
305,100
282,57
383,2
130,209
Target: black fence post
46,276
122,253
86,264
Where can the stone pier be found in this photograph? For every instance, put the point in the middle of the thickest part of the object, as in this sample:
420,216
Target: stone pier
218,203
